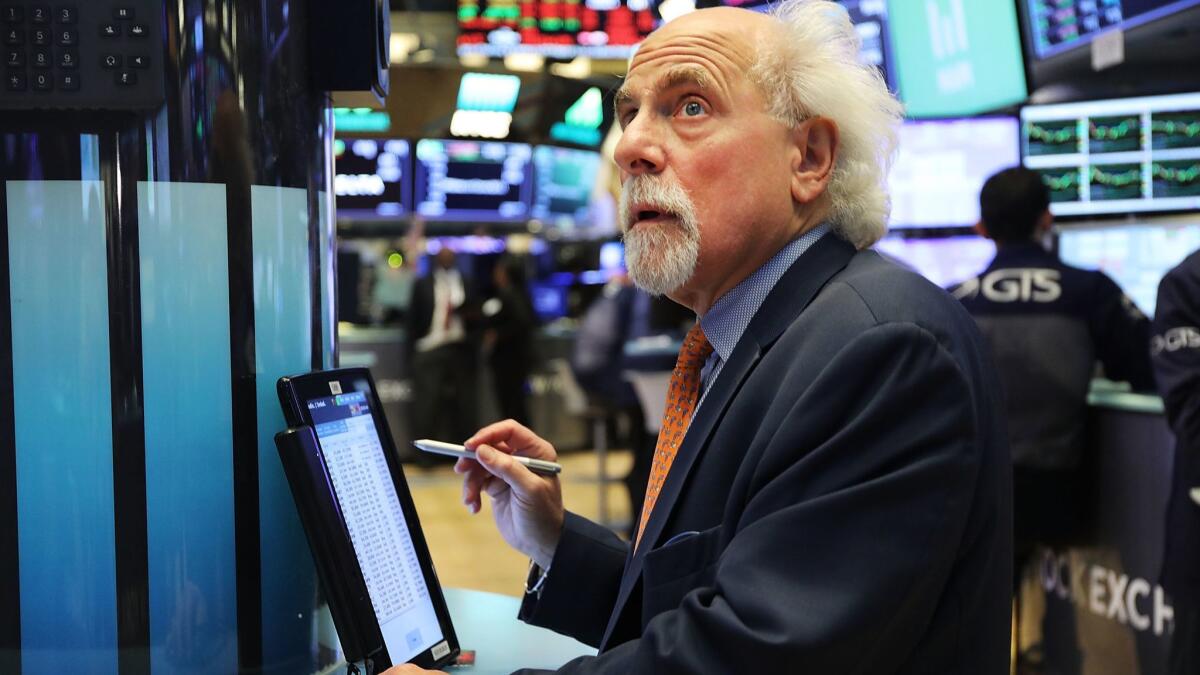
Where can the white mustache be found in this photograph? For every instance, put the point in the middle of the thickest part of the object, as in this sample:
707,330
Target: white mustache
659,194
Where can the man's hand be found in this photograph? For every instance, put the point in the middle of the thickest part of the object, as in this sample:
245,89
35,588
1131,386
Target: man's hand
528,508
409,669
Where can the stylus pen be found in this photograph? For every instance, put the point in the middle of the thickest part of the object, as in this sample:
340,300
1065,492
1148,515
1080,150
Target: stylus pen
454,450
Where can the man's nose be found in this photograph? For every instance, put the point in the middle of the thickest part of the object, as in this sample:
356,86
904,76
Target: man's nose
640,149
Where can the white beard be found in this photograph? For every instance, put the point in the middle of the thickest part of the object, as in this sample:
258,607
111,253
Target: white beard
659,257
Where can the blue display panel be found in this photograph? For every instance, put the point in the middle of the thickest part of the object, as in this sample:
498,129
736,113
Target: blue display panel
63,423
328,294
945,261
184,256
1056,26
473,180
549,300
565,180
1130,155
282,346
372,178
941,166
1135,256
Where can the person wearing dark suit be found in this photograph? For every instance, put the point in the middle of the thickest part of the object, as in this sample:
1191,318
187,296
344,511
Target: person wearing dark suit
1175,350
439,325
508,338
839,502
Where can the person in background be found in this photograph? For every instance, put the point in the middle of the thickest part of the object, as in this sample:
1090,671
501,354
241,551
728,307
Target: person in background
441,315
1047,325
391,290
600,360
830,491
508,337
1175,350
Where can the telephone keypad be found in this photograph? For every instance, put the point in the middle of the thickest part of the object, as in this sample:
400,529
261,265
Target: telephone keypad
84,54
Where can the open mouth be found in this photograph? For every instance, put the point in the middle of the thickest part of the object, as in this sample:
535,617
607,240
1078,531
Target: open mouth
647,214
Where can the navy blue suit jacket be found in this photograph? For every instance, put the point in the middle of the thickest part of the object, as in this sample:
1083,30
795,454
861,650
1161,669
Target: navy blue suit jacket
840,504
1175,349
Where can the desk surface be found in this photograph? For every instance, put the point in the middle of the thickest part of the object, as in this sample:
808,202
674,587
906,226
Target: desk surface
487,623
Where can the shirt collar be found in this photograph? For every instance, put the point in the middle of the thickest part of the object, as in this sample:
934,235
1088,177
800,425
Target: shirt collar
730,315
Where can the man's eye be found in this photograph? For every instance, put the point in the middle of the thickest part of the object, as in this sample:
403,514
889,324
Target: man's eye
692,108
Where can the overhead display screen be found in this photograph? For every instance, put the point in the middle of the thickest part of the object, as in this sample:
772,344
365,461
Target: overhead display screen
956,57
945,261
1135,256
1056,26
564,181
870,22
606,29
472,180
371,178
941,166
1117,156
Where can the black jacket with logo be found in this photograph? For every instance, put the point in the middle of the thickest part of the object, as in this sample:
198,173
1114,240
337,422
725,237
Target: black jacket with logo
1047,324
1175,349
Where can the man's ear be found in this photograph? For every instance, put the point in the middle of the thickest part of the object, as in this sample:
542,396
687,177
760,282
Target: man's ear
815,154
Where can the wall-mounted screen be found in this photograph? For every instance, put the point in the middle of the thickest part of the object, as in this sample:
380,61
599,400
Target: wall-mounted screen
563,183
606,29
1056,26
371,178
870,22
1131,155
945,261
1135,256
472,180
941,165
956,57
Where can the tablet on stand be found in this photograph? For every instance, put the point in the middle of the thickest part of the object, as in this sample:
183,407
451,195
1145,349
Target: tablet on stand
358,514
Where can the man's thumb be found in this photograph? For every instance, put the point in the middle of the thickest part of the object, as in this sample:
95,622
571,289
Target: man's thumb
503,467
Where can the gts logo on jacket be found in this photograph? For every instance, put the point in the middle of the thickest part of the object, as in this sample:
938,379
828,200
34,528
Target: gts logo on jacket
1183,337
1014,284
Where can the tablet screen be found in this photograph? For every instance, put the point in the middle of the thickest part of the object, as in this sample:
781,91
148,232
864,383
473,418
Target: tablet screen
378,529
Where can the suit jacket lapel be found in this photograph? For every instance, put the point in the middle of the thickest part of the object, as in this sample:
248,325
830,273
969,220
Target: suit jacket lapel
798,286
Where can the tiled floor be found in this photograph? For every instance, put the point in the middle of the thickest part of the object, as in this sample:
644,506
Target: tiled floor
467,549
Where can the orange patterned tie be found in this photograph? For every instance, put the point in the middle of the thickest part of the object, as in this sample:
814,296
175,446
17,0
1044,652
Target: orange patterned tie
683,392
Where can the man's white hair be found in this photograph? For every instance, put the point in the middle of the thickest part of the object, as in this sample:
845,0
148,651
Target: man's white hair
814,70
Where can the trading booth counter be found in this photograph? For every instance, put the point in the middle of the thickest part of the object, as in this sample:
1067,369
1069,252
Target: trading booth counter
1104,611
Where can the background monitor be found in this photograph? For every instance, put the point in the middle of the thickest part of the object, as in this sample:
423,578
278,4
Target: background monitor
564,181
371,178
461,180
870,22
1117,156
941,166
956,57
612,256
945,261
1056,26
607,29
1135,256
549,300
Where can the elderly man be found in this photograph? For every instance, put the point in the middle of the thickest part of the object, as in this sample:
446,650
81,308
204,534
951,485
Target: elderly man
831,486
